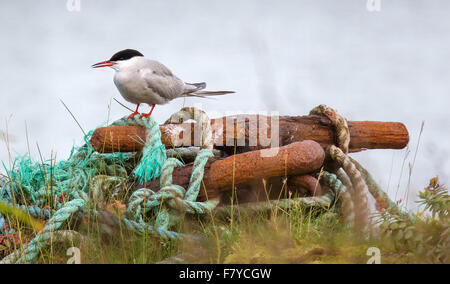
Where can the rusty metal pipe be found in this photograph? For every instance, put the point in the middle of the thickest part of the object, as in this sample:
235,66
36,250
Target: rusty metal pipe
221,175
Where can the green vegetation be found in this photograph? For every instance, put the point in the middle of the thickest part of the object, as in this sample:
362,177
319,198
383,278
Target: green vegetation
296,236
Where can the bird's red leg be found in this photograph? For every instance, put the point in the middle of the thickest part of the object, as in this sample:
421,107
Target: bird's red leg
135,112
150,113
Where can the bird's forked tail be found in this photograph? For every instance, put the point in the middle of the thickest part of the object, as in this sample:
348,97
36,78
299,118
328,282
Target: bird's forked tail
195,90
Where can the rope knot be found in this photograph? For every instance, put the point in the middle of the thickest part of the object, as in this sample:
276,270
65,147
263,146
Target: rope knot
170,193
338,122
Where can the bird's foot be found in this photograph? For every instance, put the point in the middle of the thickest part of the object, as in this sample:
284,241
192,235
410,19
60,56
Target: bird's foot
133,114
147,115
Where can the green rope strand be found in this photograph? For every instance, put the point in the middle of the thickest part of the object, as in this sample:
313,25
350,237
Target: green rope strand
153,154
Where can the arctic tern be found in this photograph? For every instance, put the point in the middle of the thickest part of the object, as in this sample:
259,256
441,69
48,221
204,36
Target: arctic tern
141,80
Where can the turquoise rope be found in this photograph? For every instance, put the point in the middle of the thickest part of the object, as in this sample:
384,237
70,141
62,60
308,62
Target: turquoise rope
171,202
32,249
340,190
154,152
33,183
78,178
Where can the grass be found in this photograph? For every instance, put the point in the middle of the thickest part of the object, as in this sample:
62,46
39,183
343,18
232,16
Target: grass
265,241
298,235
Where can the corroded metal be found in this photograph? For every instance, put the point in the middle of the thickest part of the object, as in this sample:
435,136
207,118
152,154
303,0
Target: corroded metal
229,132
298,158
308,182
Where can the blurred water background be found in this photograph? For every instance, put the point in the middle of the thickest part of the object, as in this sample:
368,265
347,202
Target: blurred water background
287,56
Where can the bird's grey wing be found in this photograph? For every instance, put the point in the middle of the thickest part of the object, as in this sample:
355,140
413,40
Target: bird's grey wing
161,81
159,68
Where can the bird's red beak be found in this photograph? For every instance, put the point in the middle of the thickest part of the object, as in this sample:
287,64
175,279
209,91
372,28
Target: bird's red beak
104,64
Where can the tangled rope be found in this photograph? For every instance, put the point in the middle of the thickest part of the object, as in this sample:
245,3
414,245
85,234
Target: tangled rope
172,201
42,188
76,186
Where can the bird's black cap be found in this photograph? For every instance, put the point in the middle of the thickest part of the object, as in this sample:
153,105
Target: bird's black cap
125,54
